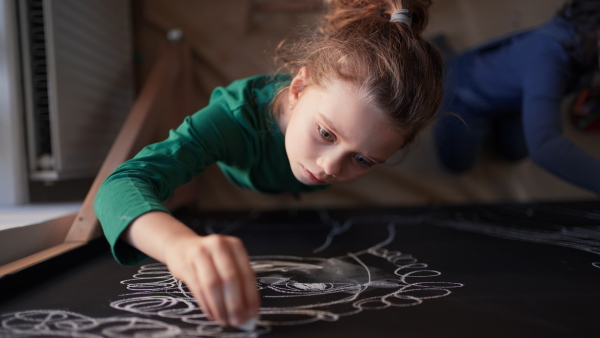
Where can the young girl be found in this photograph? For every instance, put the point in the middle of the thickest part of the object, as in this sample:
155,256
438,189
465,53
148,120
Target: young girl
351,96
510,91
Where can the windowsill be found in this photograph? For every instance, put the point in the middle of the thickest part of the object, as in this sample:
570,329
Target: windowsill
30,229
30,214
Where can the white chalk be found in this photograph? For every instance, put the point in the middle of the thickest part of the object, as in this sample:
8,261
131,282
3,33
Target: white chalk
249,325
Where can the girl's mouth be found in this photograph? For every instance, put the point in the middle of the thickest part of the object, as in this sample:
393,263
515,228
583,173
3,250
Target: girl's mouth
312,178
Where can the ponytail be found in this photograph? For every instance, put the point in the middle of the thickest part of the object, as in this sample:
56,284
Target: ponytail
343,12
377,46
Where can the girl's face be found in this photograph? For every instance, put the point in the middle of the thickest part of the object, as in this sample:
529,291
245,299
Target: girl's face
330,135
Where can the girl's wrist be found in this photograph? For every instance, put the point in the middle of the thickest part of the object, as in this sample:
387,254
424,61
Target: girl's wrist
156,233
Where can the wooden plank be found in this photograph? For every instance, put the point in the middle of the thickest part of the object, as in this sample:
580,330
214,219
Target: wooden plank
185,195
23,241
38,257
137,131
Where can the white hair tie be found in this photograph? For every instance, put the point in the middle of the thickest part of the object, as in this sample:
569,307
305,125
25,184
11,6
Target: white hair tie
402,16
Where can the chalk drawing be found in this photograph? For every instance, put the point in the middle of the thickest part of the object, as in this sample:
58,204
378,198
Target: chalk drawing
60,323
526,228
294,290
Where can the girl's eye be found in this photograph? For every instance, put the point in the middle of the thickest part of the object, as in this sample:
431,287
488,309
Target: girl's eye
326,135
362,161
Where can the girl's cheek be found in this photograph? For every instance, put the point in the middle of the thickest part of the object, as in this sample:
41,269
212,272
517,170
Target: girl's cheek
311,139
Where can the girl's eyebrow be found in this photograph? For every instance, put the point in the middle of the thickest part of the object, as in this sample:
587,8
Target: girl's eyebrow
329,126
328,123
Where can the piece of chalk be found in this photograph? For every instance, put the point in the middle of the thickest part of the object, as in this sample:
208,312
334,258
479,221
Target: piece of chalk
249,325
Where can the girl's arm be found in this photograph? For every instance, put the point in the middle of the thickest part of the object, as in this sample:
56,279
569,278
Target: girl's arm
215,268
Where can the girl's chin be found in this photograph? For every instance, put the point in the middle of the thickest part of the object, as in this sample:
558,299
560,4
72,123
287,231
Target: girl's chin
305,181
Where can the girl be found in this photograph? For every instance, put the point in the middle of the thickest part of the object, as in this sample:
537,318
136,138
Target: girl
352,95
511,89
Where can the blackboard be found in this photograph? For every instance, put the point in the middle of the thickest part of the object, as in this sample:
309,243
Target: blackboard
505,270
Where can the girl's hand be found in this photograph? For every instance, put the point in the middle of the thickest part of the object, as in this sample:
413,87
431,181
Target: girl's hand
216,269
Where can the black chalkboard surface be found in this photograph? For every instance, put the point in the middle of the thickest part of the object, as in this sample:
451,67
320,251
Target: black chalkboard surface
510,270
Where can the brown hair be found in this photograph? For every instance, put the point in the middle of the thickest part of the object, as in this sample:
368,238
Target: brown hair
397,72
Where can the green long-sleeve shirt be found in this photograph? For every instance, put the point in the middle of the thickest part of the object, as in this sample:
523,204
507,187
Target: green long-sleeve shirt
236,130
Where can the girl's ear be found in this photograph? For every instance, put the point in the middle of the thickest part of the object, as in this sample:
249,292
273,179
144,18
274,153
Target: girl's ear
299,82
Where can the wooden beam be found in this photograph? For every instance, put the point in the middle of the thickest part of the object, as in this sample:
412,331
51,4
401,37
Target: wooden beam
137,131
185,195
38,257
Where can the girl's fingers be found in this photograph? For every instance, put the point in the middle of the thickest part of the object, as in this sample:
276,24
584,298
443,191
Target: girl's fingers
194,286
249,282
212,290
232,282
219,276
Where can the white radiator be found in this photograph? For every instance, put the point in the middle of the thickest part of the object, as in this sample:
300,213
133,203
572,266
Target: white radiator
77,59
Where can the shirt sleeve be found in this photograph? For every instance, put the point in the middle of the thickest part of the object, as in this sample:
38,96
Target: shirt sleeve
140,184
546,71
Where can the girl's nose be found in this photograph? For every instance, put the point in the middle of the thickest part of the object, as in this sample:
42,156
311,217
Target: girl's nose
331,164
